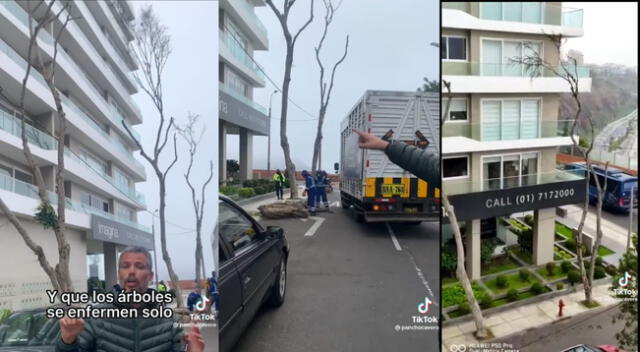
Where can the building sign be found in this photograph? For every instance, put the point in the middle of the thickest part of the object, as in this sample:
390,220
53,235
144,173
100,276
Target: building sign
241,114
107,230
481,205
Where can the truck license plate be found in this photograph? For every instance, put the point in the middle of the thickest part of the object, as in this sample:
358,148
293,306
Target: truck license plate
411,210
393,189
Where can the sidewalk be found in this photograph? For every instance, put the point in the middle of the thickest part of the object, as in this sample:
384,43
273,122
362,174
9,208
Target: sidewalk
521,318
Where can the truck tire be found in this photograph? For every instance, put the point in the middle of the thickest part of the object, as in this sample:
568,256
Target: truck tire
344,202
276,298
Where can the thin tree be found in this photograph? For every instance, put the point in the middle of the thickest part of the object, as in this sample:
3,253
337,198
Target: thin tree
152,49
535,66
627,309
461,273
290,40
188,132
325,92
59,275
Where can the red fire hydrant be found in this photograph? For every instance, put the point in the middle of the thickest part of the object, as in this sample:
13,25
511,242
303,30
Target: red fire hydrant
560,306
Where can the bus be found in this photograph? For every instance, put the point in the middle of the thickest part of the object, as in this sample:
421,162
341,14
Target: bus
617,197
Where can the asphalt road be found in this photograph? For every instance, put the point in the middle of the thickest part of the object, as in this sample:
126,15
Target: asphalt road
593,328
349,287
619,219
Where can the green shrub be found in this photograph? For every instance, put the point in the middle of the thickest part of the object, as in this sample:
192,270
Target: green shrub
537,288
463,308
565,266
528,219
486,251
598,272
46,215
525,240
246,192
551,267
524,275
571,244
560,286
599,261
4,314
611,270
512,295
261,189
501,281
448,260
574,277
504,222
228,190
486,302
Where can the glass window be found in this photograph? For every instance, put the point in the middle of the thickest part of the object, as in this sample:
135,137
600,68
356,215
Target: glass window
511,170
458,110
234,227
23,176
455,167
491,172
529,168
454,48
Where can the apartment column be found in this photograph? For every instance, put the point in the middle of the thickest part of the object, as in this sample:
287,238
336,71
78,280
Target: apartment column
543,235
246,154
110,264
472,249
222,151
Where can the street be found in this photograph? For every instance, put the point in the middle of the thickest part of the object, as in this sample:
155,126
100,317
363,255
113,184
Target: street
350,286
592,328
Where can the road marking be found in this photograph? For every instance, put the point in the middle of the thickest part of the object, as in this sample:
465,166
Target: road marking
421,277
335,204
312,230
393,237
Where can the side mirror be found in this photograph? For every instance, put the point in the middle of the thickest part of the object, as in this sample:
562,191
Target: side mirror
276,232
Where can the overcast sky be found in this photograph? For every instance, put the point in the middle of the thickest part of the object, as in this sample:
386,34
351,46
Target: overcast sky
190,85
388,50
610,32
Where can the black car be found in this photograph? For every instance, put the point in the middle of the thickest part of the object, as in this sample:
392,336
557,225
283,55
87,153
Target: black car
28,331
252,269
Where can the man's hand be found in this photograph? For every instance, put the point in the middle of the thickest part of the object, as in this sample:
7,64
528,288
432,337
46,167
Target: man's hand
70,329
368,141
195,342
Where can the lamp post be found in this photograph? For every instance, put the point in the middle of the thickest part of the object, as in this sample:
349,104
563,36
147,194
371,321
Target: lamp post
269,137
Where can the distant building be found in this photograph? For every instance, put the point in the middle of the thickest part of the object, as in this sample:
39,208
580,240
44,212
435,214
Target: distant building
93,74
240,34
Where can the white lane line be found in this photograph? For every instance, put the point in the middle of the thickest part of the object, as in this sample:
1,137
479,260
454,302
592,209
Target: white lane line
312,230
335,204
393,237
421,277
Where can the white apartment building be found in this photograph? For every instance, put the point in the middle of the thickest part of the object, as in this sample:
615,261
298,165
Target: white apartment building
93,74
240,34
502,133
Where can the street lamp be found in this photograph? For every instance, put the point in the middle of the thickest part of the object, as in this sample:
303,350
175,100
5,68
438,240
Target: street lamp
269,137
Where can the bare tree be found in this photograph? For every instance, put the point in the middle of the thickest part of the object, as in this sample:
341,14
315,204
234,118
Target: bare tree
153,48
188,132
290,40
461,273
325,92
59,275
535,66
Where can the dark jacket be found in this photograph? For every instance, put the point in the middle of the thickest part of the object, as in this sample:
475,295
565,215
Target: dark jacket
423,163
126,335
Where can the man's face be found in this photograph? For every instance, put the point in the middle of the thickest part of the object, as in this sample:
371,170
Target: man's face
134,272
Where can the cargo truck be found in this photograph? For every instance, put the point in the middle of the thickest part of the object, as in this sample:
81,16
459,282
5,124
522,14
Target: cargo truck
374,188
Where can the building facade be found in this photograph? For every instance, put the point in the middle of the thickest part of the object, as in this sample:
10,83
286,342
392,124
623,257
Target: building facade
93,75
502,131
240,34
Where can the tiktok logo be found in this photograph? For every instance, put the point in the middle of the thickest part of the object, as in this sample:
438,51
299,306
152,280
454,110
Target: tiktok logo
624,281
423,307
202,303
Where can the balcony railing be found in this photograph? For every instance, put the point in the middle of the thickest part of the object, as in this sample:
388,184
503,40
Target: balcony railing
13,125
238,52
242,98
453,187
510,70
523,12
11,184
506,131
15,57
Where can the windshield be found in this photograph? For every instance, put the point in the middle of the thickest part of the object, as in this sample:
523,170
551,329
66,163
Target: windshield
631,184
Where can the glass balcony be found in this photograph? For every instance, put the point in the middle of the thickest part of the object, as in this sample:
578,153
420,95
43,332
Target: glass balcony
12,124
11,184
242,98
249,10
15,57
524,12
510,70
461,187
238,52
507,131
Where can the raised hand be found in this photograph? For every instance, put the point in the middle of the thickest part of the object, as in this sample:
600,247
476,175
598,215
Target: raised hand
70,329
368,141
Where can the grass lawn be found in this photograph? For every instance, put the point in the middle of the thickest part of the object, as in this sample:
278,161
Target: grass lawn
456,313
557,273
593,304
449,281
563,230
524,256
454,294
499,265
513,281
602,251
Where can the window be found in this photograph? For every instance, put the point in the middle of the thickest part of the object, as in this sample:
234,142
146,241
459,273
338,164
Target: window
497,57
510,119
510,170
94,202
453,48
234,227
236,83
458,110
124,212
455,167
122,181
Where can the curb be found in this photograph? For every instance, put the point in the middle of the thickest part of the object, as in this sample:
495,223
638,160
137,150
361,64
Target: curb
246,201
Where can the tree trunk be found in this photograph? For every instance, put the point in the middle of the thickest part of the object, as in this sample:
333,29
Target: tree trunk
317,146
163,243
284,142
461,273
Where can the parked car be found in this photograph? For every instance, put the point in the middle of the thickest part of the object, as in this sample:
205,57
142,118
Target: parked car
252,269
28,330
590,348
